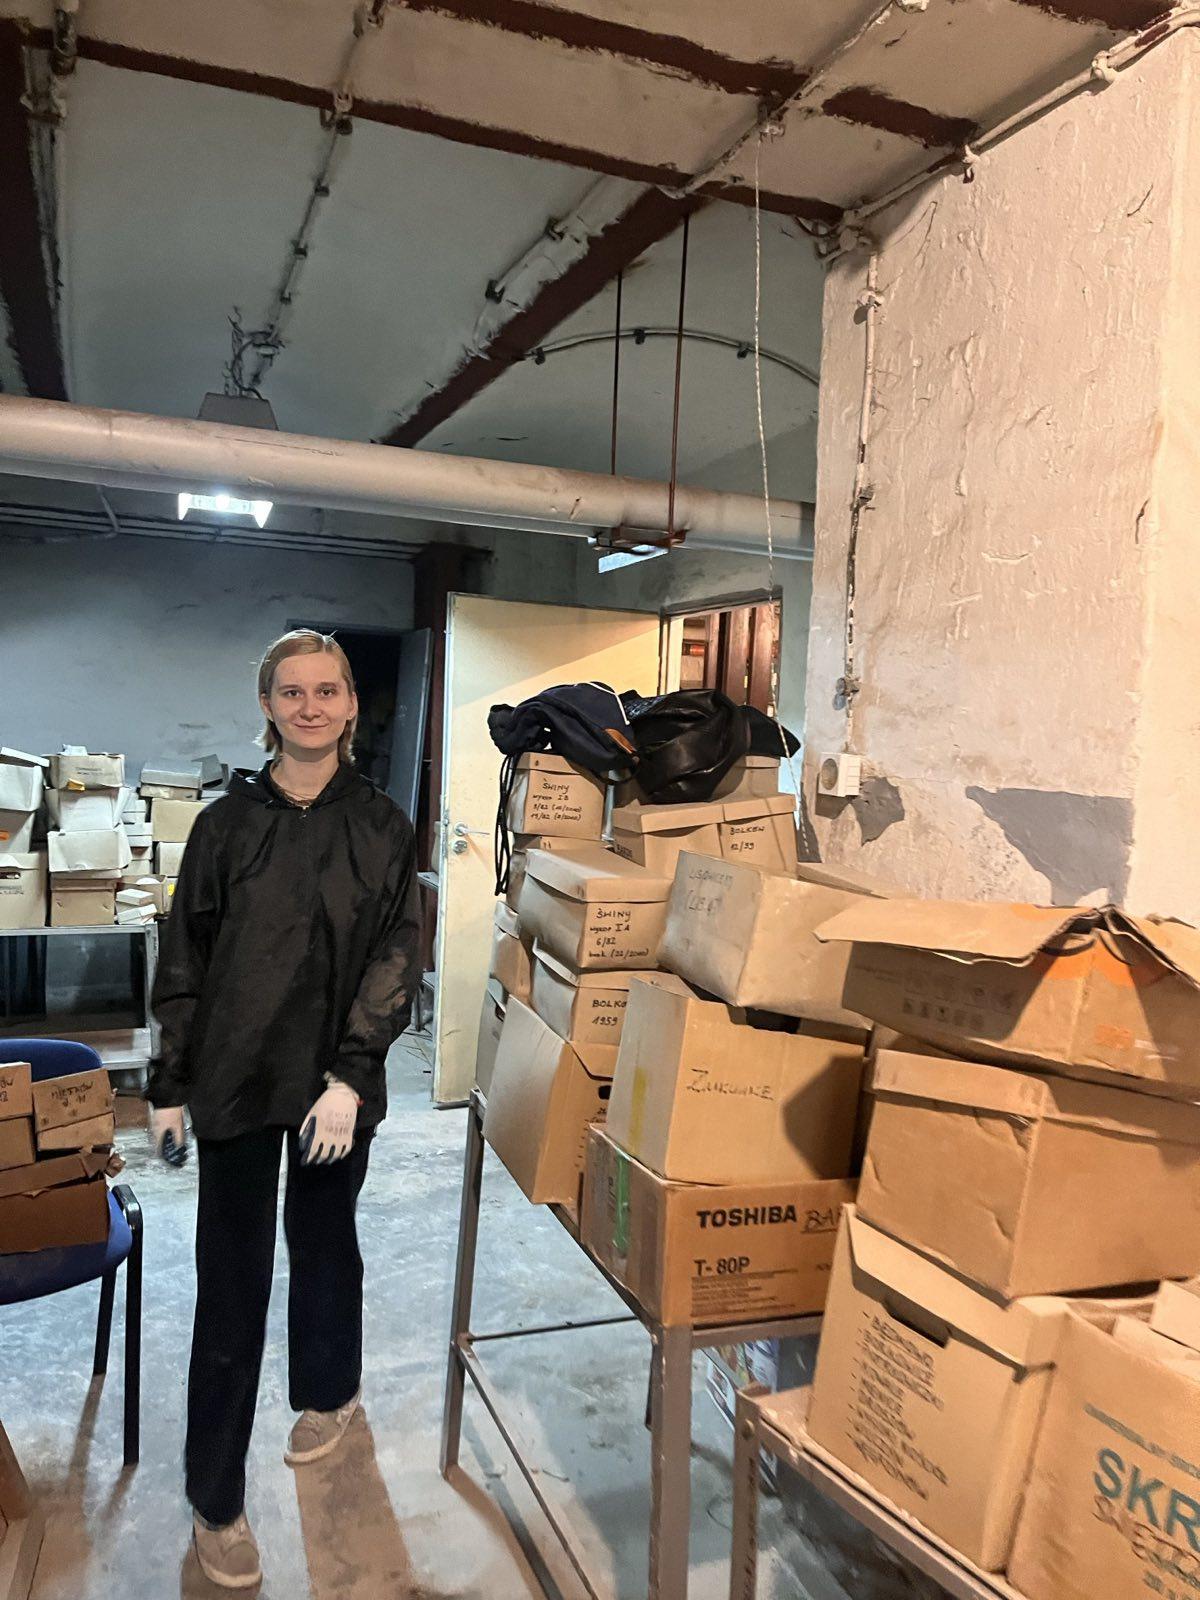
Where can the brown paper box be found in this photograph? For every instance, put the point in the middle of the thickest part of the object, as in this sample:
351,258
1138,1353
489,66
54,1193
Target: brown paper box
653,836
585,1007
761,833
701,1253
93,1134
17,1148
1176,1312
931,1391
702,1097
522,844
171,821
56,1170
510,964
1056,1185
77,1097
16,1090
80,905
1090,992
544,1094
748,935
76,1213
491,1023
593,910
553,796
1113,1506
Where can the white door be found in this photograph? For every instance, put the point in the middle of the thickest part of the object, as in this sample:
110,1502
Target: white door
499,652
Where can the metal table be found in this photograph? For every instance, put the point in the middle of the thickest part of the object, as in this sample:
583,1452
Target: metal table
774,1424
147,930
670,1404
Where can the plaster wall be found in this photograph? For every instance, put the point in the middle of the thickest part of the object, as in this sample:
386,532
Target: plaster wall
1024,581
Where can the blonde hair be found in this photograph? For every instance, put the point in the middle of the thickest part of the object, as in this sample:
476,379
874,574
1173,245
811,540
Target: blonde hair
303,642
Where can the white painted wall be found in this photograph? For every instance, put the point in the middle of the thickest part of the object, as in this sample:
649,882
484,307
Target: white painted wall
1027,569
150,647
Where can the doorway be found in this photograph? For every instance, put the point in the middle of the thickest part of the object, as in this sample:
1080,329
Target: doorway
731,646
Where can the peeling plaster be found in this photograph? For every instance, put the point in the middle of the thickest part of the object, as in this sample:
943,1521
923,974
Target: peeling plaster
877,806
1081,842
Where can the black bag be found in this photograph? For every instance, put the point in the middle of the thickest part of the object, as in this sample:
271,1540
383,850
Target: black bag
586,723
768,737
686,743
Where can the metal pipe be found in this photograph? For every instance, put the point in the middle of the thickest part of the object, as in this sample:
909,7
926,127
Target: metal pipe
171,455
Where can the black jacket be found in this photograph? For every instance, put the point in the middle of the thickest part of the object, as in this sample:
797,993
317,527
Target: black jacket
291,950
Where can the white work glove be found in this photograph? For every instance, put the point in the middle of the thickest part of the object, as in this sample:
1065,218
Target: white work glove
327,1132
169,1133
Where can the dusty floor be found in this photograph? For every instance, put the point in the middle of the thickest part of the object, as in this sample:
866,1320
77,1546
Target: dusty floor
376,1520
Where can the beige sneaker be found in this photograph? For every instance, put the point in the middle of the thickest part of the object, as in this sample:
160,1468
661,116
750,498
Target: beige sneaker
318,1433
228,1556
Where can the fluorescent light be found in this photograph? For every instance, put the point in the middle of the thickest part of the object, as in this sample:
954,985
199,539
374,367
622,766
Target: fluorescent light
612,560
225,505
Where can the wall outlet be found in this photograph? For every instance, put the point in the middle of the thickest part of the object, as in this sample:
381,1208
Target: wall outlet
839,776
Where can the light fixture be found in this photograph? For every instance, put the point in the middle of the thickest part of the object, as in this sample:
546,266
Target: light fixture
225,505
611,560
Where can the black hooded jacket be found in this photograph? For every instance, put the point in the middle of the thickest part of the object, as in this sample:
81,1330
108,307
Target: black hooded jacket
291,950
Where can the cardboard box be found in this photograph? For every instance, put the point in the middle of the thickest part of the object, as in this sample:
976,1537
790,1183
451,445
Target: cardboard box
747,935
750,778
700,1253
760,832
653,836
76,1099
593,910
86,810
77,903
510,954
491,1023
101,850
17,1148
701,1096
1058,1185
22,778
16,831
166,791
1113,1505
931,1391
168,858
16,1090
23,885
522,844
171,821
1091,992
181,776
553,796
151,884
1176,1312
544,1095
52,1218
97,1133
588,1007
81,769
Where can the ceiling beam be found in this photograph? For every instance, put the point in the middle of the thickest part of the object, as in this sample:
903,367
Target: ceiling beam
578,30
609,250
25,286
1122,16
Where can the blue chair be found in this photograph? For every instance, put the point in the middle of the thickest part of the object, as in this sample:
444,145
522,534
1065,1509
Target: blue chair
31,1275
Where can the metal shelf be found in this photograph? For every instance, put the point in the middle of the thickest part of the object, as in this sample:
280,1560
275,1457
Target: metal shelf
51,933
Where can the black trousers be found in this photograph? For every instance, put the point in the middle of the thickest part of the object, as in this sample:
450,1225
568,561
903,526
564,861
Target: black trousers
235,1254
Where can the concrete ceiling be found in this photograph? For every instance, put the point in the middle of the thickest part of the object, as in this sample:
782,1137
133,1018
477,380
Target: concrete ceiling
416,195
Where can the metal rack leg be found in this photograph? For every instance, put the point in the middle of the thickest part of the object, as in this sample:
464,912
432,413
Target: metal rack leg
464,1282
743,1560
670,1462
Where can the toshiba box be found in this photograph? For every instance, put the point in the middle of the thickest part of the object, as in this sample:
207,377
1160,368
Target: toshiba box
703,1253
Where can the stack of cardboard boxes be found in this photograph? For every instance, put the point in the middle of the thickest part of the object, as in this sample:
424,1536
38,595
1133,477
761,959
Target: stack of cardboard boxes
56,1148
1033,1157
23,876
176,795
89,851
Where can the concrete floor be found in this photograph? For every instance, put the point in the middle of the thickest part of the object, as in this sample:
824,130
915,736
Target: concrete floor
377,1519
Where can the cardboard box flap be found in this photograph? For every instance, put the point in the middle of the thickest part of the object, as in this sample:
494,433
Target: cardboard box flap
848,878
507,920
771,805
49,1173
670,819
11,866
594,873
495,993
1175,944
970,930
22,758
975,1086
1023,1333
584,980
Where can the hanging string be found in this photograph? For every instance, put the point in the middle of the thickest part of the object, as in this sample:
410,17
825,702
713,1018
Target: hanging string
616,373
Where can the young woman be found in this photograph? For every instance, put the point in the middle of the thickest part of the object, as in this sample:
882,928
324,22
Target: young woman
288,966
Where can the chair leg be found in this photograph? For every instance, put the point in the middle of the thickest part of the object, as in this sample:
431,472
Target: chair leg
133,1327
108,1284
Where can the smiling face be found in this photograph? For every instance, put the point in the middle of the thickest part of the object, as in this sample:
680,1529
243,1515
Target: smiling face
310,703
